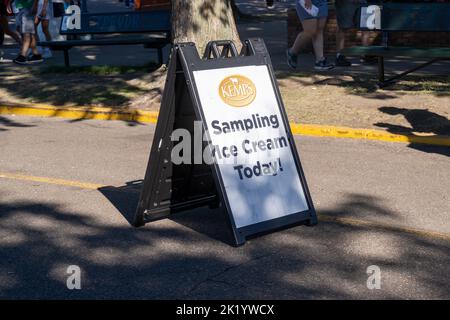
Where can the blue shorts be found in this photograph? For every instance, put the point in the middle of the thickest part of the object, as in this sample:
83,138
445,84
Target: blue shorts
304,15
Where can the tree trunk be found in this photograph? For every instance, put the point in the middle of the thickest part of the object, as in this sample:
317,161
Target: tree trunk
201,21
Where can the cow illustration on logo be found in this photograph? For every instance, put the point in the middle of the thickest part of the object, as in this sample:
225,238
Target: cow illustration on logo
237,91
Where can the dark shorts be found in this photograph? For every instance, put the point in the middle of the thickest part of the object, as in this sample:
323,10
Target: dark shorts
304,15
346,11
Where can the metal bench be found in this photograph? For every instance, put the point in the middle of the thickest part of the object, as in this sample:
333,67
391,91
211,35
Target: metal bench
395,17
150,28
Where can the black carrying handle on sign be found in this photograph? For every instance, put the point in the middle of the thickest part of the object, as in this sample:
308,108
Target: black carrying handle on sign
228,49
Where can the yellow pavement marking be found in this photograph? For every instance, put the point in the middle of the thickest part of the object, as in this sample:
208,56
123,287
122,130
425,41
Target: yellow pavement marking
60,182
322,217
144,116
385,227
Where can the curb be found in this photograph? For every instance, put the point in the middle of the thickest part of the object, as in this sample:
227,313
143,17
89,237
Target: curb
367,134
143,116
94,113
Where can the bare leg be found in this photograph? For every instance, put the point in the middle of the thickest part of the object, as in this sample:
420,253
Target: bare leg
309,30
33,44
365,39
45,30
26,38
340,40
366,42
5,26
318,39
29,41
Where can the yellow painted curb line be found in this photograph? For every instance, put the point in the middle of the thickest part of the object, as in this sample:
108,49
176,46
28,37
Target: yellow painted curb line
93,113
143,116
367,134
322,217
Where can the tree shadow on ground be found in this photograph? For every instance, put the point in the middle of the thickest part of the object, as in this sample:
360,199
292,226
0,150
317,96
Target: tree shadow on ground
165,260
421,120
367,85
93,86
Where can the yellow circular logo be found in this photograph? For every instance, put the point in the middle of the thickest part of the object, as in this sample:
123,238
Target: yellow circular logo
237,91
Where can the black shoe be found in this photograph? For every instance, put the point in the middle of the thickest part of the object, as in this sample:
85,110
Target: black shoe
323,65
342,61
291,59
35,58
20,60
369,59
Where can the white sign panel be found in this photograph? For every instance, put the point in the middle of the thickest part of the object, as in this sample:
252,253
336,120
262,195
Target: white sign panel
250,143
370,17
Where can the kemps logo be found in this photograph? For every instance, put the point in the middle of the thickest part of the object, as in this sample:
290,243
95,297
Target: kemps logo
237,91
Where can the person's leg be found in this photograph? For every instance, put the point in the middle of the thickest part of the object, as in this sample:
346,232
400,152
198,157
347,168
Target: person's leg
309,27
29,39
318,38
344,21
367,59
26,38
5,27
340,39
45,25
309,30
45,29
341,60
365,38
33,46
21,58
345,14
321,62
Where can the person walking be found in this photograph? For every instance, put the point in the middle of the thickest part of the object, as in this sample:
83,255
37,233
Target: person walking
25,18
5,11
313,16
43,18
346,11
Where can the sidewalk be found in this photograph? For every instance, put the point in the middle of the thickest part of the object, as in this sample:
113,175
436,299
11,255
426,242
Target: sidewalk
341,97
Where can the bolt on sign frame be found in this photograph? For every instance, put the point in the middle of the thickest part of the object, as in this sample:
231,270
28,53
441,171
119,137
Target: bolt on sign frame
170,188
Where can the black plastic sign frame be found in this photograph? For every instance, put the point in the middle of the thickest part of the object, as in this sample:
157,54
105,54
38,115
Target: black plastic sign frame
170,188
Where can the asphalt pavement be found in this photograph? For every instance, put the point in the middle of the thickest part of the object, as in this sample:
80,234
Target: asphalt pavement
383,204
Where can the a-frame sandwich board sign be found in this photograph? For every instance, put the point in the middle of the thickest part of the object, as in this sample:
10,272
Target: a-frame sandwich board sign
257,177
